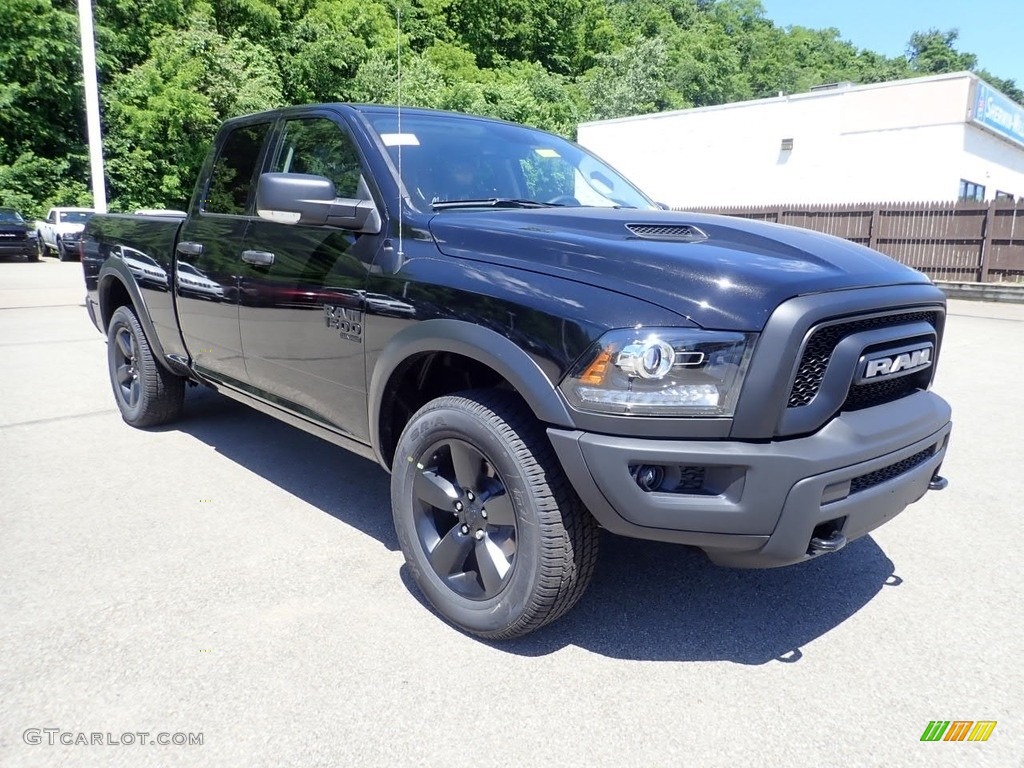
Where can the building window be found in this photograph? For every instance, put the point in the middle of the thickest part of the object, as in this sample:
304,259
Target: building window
971,191
1000,195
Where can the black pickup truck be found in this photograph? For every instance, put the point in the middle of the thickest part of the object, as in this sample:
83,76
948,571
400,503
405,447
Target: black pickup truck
532,347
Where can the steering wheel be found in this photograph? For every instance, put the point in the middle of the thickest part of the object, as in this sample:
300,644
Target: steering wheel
564,200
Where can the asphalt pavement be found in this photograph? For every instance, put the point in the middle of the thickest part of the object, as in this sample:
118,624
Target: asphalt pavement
236,580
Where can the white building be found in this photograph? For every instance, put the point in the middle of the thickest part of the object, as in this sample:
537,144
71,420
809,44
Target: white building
924,139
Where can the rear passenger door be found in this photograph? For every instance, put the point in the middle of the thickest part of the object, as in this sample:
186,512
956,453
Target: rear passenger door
209,254
302,311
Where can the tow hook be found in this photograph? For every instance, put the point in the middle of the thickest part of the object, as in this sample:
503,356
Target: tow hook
937,483
819,545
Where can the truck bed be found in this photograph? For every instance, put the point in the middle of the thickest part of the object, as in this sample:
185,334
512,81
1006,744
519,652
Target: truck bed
144,247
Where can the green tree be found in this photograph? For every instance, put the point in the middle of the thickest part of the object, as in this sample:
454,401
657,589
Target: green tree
934,53
323,49
553,33
172,70
631,81
162,115
41,109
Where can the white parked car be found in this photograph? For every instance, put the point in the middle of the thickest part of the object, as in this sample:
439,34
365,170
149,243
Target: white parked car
191,281
145,268
61,231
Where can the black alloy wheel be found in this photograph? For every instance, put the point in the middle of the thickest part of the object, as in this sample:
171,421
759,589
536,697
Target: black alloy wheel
147,394
492,532
126,353
464,519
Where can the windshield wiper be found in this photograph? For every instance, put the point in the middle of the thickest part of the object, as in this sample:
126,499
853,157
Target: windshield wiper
492,202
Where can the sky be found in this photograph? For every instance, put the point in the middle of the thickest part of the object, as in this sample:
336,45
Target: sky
993,30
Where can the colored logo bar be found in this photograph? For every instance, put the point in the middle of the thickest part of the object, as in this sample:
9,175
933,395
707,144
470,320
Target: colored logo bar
958,730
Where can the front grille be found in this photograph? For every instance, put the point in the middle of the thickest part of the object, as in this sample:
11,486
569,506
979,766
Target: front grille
885,391
822,343
871,479
681,232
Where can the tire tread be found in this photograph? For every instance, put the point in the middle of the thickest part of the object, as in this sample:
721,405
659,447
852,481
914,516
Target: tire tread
569,534
163,393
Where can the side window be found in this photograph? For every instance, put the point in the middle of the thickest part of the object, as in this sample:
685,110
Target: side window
51,218
319,147
228,191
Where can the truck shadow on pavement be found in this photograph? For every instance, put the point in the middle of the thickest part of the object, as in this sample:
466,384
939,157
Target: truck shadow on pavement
661,602
348,487
648,601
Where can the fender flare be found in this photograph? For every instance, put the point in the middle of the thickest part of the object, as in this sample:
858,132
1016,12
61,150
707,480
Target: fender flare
114,269
469,340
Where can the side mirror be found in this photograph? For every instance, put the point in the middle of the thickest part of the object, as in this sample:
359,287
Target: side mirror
299,198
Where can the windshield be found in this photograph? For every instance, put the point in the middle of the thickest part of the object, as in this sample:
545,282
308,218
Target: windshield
447,158
75,217
10,217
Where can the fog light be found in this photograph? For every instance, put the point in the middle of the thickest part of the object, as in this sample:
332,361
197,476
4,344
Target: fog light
649,477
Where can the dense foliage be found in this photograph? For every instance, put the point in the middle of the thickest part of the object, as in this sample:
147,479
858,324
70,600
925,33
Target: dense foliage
171,70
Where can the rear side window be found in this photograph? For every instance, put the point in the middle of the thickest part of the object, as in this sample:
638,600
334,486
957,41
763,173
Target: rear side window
233,171
319,147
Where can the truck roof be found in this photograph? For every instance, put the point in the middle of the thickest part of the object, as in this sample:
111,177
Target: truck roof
363,108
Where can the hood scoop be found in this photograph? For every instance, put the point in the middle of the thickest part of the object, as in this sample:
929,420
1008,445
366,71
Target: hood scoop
679,233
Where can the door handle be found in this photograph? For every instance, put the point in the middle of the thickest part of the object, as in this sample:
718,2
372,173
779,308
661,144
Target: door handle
185,248
259,258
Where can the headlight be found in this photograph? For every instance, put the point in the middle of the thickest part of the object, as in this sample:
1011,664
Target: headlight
661,372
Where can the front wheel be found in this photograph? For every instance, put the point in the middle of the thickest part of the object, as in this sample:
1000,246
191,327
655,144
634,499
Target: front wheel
62,254
40,245
147,394
491,530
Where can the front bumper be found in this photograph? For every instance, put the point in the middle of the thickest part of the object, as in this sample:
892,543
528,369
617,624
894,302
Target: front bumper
759,504
18,248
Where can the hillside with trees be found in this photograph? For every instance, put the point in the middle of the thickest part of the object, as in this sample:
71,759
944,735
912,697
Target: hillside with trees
171,70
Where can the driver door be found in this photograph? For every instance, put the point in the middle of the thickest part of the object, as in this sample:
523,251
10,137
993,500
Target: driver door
302,288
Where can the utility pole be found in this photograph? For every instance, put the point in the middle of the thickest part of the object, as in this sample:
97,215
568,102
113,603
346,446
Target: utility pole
92,105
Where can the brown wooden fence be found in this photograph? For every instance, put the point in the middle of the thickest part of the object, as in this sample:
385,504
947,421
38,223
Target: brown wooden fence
963,241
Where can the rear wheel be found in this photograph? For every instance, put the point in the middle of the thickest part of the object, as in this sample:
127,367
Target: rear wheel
147,394
492,532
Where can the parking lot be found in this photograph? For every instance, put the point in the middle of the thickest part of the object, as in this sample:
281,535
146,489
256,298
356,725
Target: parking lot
234,577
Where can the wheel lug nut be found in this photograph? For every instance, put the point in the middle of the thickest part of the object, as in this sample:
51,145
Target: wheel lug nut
469,495
483,513
478,535
465,529
458,506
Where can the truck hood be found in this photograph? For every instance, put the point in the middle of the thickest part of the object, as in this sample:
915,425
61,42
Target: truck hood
719,272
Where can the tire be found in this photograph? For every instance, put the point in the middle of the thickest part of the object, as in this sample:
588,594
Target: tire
32,255
60,251
147,394
492,532
40,245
